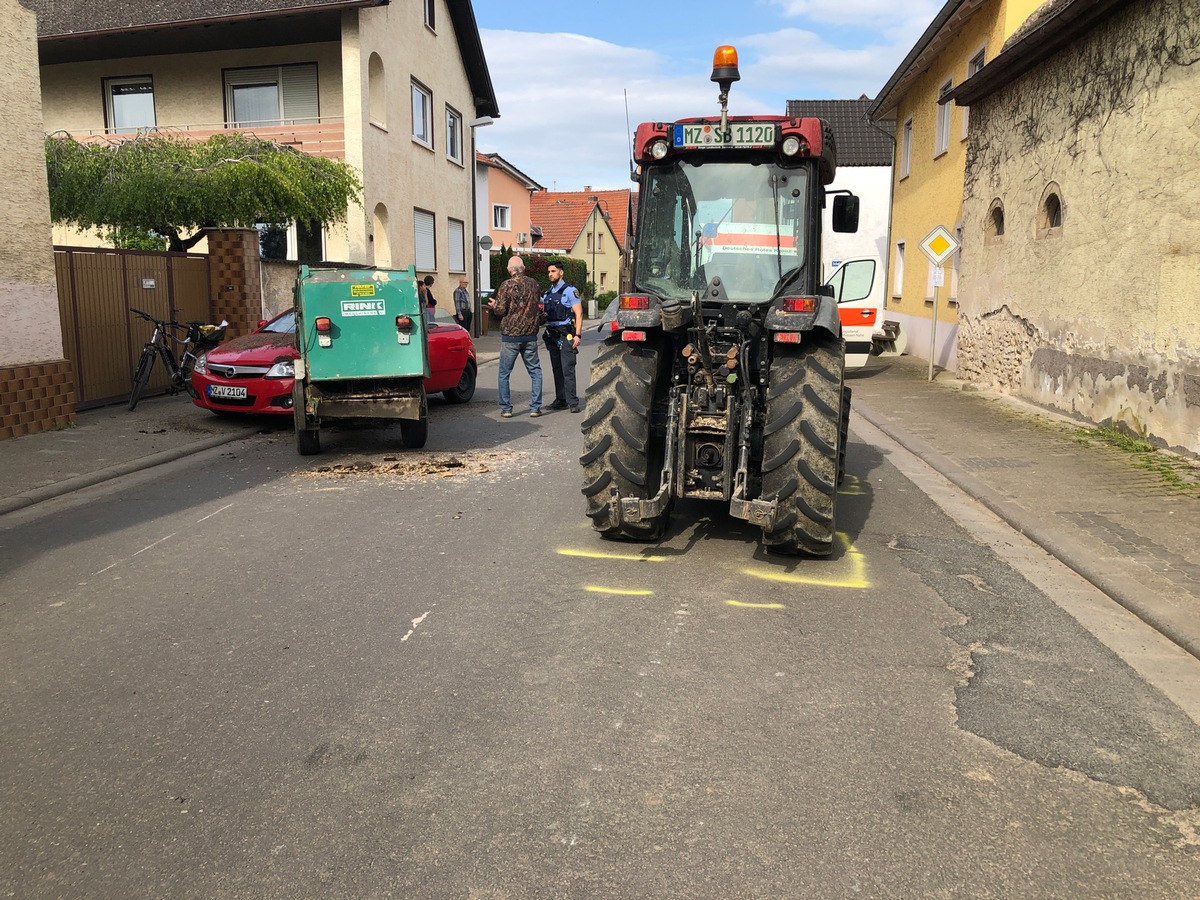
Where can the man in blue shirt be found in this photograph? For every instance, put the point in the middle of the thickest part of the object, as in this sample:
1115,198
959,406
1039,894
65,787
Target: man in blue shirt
564,324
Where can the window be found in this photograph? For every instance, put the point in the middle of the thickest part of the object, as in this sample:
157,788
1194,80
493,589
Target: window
942,138
300,241
456,242
974,64
603,280
454,136
599,241
906,148
1051,219
590,241
501,217
271,95
430,7
898,273
995,223
376,92
422,106
425,242
129,104
853,281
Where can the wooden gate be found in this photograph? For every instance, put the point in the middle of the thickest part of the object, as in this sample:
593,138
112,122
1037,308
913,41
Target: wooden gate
96,289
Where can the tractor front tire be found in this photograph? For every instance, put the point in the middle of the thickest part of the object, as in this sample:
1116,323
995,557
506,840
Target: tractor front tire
802,446
616,439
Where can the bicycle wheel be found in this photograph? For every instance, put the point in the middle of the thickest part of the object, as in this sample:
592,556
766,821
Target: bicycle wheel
185,374
142,376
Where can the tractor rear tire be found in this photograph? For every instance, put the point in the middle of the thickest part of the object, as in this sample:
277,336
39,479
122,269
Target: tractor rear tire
802,446
845,434
616,438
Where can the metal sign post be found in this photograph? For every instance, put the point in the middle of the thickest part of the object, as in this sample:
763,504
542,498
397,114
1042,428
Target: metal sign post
939,246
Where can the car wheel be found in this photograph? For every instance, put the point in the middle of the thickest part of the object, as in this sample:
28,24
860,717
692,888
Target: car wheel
465,389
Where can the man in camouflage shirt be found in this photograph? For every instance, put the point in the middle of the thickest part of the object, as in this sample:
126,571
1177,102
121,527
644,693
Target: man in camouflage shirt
517,305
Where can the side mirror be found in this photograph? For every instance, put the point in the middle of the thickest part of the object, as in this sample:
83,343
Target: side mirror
826,290
845,213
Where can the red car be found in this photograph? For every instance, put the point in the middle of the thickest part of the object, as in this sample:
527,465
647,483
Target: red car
254,373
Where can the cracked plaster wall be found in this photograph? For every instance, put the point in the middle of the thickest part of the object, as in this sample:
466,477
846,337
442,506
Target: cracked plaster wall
1099,318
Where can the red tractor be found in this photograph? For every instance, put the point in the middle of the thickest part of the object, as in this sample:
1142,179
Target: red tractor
721,376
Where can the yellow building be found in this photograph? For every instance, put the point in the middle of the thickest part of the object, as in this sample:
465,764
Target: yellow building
930,159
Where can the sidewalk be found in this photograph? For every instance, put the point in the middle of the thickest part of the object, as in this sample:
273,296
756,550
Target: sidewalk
1127,530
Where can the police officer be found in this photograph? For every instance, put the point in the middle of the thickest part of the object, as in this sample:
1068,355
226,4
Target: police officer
564,322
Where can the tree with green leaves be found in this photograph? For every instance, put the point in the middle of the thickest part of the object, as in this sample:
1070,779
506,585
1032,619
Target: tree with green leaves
168,185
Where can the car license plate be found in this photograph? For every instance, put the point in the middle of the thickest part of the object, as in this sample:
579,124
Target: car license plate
736,134
226,392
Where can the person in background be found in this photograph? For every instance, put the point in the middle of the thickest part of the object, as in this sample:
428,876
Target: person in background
564,323
517,306
425,286
462,304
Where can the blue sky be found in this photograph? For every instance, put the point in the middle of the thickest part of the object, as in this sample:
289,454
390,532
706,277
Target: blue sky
561,69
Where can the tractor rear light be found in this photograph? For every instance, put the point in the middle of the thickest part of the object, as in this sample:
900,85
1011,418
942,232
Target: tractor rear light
787,337
404,323
324,325
800,305
633,335
635,301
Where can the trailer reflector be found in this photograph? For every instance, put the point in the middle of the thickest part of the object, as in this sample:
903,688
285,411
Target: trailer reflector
633,336
787,337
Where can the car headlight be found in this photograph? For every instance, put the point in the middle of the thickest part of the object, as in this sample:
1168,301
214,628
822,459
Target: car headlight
285,368
201,365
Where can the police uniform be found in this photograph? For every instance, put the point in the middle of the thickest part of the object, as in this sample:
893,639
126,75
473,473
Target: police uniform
559,337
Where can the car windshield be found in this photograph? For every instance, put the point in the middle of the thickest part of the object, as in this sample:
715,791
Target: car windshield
738,221
285,324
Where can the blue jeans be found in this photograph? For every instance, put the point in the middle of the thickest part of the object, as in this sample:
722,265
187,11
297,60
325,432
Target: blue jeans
528,351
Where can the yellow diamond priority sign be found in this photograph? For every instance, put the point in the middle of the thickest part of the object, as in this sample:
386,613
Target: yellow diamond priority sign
939,245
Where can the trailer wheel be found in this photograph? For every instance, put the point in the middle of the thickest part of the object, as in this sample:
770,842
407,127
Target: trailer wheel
616,438
308,440
414,432
802,446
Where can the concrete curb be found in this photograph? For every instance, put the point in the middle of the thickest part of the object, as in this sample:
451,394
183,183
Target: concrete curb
1122,588
33,496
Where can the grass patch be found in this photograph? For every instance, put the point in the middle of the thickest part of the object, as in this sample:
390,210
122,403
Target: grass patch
1176,472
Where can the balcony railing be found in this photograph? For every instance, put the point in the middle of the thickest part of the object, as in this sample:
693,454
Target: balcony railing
324,137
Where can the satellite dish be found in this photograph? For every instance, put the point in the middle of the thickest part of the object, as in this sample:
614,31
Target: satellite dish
485,242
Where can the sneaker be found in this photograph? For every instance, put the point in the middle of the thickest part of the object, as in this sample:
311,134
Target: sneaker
577,408
534,413
558,404
506,413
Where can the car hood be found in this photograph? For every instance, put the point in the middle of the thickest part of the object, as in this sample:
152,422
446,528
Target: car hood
262,348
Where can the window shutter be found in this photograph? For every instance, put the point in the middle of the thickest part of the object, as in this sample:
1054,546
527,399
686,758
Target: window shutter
457,247
426,247
299,86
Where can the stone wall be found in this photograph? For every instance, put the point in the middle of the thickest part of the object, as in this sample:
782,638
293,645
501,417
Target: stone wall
1096,315
36,386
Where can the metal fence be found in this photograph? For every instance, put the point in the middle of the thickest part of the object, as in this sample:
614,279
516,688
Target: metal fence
96,289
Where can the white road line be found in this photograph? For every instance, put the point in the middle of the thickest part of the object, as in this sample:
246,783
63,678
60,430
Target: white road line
211,514
156,543
415,622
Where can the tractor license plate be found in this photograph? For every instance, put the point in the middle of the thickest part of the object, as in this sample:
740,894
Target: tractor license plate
226,392
736,134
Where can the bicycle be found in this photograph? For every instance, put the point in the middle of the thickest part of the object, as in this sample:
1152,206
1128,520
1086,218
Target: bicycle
198,338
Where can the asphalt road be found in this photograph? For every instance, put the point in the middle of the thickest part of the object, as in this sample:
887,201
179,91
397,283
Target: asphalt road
380,673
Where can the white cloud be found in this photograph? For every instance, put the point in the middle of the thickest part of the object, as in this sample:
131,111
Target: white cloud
884,16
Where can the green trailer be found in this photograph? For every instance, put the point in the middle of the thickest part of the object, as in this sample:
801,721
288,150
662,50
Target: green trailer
363,352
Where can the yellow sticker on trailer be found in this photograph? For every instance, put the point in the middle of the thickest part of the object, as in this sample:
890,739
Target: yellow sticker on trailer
362,290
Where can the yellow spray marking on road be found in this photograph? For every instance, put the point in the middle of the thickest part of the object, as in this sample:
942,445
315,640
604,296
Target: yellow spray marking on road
632,557
620,592
742,605
856,578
